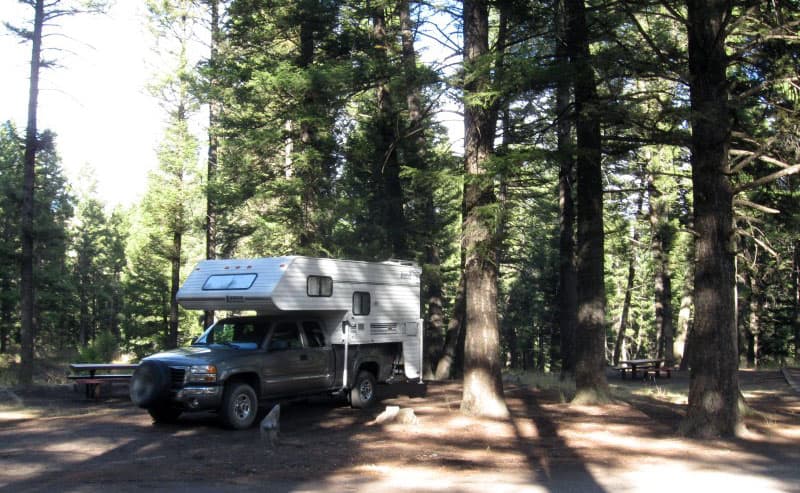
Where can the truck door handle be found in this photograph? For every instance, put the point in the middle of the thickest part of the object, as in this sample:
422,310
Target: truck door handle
303,357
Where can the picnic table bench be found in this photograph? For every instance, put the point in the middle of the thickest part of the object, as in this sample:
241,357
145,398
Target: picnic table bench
87,375
646,367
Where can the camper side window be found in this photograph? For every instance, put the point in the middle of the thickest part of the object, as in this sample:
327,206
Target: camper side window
319,286
361,303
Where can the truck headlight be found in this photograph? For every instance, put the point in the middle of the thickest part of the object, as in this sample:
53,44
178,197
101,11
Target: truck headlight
202,374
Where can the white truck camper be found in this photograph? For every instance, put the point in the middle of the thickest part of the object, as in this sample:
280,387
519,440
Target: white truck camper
359,303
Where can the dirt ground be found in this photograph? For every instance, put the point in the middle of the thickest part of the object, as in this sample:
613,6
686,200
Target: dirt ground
55,439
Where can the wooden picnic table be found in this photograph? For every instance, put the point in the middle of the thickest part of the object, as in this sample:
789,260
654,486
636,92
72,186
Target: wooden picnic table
655,366
93,380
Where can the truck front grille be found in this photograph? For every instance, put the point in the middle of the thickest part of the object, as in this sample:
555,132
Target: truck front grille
176,377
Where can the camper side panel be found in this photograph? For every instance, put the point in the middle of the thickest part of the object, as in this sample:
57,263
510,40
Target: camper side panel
393,289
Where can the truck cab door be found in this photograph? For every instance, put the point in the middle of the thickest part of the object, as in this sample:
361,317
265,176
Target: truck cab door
291,367
320,356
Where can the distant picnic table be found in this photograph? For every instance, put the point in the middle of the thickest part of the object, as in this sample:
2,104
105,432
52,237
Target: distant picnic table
644,366
86,374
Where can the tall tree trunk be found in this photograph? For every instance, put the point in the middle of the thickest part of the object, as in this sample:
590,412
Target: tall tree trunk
116,302
307,170
432,290
714,384
590,377
452,362
635,339
620,352
445,366
508,330
434,326
660,244
386,158
796,293
619,345
483,387
754,322
213,148
175,281
83,314
27,294
567,285
685,313
6,314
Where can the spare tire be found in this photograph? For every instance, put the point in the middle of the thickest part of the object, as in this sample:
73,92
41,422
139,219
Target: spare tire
149,384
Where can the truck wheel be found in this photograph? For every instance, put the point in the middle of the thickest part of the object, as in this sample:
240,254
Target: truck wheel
362,395
164,414
149,384
239,406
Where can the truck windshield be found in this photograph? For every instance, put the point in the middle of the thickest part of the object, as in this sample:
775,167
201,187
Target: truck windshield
238,333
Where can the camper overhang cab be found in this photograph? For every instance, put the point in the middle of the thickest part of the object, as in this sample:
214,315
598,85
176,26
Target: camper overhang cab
312,316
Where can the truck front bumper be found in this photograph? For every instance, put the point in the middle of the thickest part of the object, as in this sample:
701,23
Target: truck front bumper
199,398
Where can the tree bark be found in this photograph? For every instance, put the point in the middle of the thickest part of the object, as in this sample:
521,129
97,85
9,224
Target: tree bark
432,285
754,320
619,345
6,313
213,148
386,161
660,245
175,281
27,294
483,387
445,366
308,228
590,379
620,352
567,286
796,293
685,314
714,386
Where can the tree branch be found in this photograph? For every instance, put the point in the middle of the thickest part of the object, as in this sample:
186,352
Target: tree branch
758,207
751,156
767,179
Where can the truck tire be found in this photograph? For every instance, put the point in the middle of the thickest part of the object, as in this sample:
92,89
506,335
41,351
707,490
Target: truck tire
362,395
239,406
164,414
149,384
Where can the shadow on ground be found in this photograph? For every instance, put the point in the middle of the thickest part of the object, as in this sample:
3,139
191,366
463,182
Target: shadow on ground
61,441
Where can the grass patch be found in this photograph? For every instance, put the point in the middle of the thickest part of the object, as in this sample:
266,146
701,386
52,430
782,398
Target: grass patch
543,381
668,393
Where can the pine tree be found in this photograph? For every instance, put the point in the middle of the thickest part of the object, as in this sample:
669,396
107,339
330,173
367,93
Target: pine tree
714,388
44,13
483,388
170,205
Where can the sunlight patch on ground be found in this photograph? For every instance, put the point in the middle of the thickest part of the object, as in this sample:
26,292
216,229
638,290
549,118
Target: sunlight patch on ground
663,393
526,427
89,446
20,470
17,414
669,477
188,433
394,477
603,410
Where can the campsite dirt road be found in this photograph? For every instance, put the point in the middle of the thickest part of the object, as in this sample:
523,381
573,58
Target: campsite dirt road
56,440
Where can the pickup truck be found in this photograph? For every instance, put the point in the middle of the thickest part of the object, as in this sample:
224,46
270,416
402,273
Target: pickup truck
240,363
